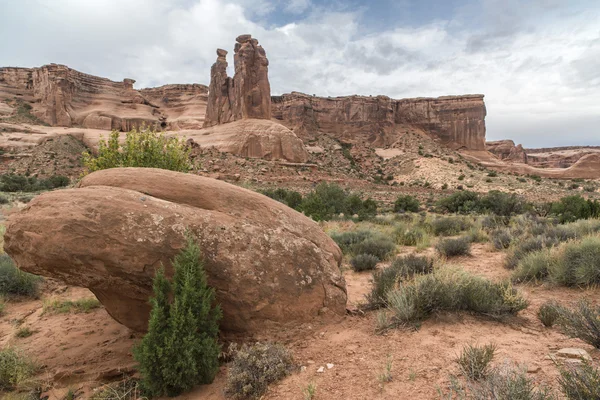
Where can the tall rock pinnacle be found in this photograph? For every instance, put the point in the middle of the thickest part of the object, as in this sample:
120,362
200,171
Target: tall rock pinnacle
248,94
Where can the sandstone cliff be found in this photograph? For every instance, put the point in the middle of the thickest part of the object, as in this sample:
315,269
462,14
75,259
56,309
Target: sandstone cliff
62,96
458,121
507,150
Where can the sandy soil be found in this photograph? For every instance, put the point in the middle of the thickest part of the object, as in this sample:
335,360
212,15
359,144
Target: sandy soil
80,350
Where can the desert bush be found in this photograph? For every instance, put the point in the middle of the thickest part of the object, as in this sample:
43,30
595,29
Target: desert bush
578,263
128,389
329,200
348,239
143,147
255,367
510,382
474,361
2,305
449,226
521,249
55,306
180,349
412,236
580,382
459,202
400,269
454,247
502,204
22,183
548,313
406,203
363,262
572,208
290,198
379,246
534,266
501,238
450,289
477,235
14,282
16,369
582,322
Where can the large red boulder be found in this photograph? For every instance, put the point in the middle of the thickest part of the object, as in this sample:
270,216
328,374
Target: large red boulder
269,264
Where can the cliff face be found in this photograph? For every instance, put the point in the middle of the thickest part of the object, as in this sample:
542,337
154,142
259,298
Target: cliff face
458,121
65,97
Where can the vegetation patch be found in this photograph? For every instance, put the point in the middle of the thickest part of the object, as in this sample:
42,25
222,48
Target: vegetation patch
255,367
582,322
14,282
454,247
449,289
16,370
55,306
474,361
23,183
363,262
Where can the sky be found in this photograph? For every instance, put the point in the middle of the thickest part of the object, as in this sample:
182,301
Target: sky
536,61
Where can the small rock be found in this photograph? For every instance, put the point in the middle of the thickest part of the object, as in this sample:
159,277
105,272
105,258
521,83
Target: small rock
302,368
329,366
310,362
572,352
533,369
321,370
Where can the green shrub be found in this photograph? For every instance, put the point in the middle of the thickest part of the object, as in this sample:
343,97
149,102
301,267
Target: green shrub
329,200
503,204
580,382
533,267
346,240
449,226
548,313
22,183
501,238
142,148
255,367
16,369
290,198
400,269
474,361
572,208
14,282
406,203
521,249
409,236
578,263
378,246
582,322
459,202
454,247
363,262
180,349
450,289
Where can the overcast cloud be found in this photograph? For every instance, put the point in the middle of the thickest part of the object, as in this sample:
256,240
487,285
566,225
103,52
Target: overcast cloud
537,61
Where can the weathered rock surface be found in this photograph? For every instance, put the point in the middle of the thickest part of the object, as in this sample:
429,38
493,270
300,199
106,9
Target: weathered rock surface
61,96
248,93
507,150
458,121
255,138
270,265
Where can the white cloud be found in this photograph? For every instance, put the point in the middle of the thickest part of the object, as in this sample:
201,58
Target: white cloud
533,67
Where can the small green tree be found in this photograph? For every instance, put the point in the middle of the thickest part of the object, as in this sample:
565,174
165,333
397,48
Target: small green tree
180,349
406,203
142,148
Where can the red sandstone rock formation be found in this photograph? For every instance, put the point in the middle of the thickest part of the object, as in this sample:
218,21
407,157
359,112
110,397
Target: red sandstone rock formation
506,150
64,97
270,265
248,93
458,121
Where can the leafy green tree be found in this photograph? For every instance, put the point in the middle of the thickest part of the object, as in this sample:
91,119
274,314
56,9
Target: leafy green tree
181,349
572,208
142,148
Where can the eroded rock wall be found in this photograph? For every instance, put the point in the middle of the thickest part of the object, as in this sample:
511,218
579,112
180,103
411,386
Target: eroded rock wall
458,121
62,96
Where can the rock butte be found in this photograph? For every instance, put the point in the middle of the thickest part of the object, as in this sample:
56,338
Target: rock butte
269,264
